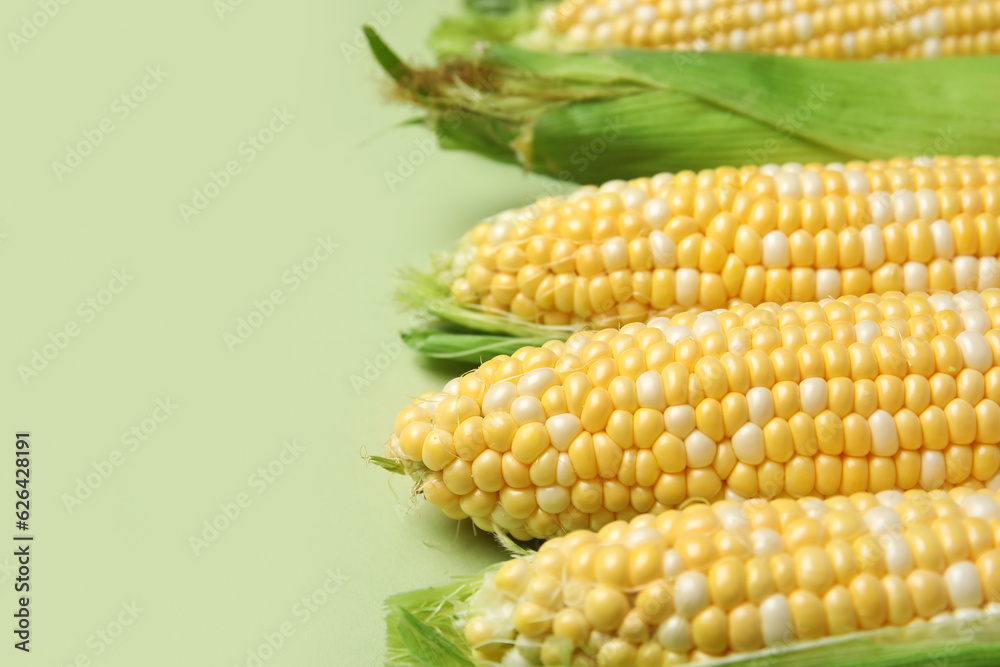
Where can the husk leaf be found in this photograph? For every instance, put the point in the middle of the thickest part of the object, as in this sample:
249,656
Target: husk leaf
444,329
419,626
659,111
494,21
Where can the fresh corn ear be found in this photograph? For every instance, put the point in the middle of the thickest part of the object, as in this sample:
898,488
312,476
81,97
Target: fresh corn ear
628,251
891,578
841,396
631,113
834,29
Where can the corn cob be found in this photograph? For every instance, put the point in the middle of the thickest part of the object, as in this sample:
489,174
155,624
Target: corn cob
627,251
713,581
841,396
836,29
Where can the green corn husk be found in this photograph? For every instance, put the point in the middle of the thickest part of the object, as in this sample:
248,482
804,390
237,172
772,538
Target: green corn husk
501,7
421,632
443,329
495,21
628,113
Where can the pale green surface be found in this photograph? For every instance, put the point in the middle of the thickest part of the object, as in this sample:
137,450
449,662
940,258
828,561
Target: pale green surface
163,335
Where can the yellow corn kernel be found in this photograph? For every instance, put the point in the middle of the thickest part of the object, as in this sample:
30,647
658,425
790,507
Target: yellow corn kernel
765,401
801,581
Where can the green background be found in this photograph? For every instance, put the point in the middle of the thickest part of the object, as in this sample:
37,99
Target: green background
65,233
